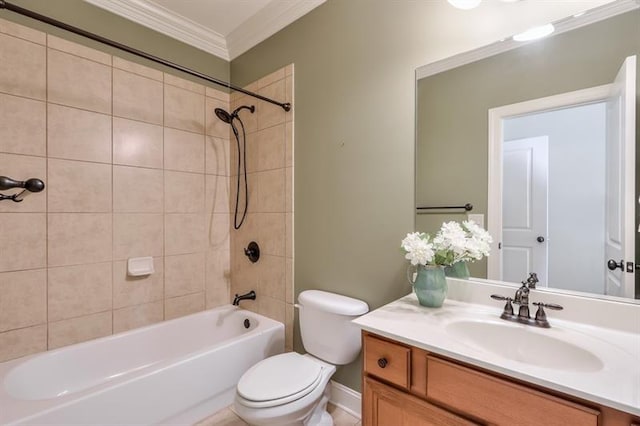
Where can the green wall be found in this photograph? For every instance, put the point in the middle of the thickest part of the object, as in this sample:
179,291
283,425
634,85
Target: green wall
354,132
452,106
98,21
354,144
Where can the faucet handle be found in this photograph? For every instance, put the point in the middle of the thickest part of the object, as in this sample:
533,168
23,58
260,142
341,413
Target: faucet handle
551,306
499,297
541,316
508,307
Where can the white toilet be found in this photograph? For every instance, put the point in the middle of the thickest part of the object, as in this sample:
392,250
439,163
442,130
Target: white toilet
293,389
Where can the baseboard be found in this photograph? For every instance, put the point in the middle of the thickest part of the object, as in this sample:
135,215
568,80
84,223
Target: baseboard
346,398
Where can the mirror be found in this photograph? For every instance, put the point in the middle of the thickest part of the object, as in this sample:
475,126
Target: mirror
454,112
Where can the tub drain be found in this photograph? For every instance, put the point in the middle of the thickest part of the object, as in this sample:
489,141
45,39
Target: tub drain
247,323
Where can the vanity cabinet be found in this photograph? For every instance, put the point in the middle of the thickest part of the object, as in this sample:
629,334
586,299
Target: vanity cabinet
404,385
387,405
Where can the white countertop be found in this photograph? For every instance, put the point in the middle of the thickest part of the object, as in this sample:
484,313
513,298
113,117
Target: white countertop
614,383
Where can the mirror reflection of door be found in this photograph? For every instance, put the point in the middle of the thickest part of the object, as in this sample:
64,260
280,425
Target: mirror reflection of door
574,173
620,157
591,186
525,171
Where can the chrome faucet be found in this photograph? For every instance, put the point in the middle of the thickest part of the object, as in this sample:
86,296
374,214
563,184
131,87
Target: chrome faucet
522,298
248,296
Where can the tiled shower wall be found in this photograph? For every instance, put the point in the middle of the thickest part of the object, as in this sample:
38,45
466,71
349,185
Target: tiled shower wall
269,221
135,164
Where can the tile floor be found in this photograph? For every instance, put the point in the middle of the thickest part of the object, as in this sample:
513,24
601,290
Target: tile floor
227,417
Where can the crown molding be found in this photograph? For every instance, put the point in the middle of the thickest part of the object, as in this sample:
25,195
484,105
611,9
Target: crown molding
265,23
162,20
567,24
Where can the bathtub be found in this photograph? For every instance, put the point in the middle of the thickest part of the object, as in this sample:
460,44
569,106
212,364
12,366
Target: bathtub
174,372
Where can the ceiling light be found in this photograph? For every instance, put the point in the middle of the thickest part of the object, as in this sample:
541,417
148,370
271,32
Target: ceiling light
464,4
535,33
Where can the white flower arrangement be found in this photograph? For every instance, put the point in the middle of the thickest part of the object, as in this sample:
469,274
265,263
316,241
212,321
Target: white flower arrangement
454,242
418,249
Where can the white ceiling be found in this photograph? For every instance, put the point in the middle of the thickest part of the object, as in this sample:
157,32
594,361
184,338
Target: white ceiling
225,28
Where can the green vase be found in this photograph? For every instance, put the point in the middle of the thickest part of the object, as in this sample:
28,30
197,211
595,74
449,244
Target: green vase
457,270
430,285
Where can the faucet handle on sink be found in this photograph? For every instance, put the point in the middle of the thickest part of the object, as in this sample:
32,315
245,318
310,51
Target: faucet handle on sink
508,307
541,316
500,297
552,306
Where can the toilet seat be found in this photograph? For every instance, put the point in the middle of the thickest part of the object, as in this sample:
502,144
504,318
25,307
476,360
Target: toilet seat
278,380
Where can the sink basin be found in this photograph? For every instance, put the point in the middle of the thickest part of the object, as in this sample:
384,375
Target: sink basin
524,344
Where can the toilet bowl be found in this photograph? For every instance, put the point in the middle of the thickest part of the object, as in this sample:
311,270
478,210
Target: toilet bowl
293,389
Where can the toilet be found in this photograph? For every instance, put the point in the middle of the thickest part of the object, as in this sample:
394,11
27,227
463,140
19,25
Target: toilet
293,389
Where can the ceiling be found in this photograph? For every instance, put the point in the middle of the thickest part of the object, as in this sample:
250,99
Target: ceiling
224,28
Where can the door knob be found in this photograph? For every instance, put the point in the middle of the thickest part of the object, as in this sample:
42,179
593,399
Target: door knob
540,239
613,265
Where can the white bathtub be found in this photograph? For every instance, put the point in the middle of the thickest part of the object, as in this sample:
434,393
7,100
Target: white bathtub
175,372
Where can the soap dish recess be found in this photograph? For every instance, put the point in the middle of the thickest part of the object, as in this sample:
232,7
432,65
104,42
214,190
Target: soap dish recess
138,266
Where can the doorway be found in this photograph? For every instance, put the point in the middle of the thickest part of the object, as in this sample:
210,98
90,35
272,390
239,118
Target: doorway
554,197
616,255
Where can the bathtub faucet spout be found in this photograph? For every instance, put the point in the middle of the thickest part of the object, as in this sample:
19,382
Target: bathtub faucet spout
249,296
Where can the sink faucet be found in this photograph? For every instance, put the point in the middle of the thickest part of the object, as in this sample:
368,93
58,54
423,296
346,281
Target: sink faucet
522,295
532,280
522,298
248,296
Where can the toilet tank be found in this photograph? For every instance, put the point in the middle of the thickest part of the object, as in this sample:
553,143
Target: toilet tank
326,328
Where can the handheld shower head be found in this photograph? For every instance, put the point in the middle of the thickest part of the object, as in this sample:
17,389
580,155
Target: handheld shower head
224,115
228,118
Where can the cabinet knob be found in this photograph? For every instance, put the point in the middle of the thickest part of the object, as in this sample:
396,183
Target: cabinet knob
382,362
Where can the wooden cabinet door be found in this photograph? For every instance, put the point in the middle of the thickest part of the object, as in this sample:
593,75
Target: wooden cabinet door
386,406
387,360
499,401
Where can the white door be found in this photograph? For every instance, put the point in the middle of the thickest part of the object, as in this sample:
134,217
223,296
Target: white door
525,186
620,175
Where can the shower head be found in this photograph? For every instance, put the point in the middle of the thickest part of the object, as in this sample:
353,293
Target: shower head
228,118
224,115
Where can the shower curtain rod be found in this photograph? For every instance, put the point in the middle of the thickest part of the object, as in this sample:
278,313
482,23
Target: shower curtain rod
33,15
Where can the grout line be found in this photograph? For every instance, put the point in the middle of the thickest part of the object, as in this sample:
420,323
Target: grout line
164,214
110,114
113,216
46,152
175,86
138,74
135,74
76,55
11,34
208,218
85,315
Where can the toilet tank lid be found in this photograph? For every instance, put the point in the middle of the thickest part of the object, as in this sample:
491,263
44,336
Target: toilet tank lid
332,303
